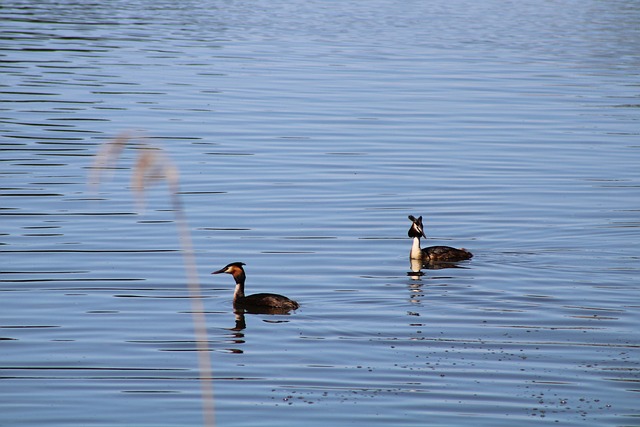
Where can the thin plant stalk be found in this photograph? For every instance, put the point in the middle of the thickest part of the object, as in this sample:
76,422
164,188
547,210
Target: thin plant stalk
151,166
198,315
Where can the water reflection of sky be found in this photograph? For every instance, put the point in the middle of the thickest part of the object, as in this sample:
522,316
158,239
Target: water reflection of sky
305,133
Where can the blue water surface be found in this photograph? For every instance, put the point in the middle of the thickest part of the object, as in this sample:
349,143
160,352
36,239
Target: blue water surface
304,133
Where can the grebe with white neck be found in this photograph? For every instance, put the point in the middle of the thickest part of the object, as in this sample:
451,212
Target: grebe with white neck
433,254
256,302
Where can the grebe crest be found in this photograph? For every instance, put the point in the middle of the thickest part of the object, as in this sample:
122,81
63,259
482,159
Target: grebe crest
432,254
255,302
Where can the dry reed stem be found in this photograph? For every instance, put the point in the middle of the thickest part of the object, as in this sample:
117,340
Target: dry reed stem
106,159
152,166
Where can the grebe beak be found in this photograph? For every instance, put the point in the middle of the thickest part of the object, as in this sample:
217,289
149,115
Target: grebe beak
222,270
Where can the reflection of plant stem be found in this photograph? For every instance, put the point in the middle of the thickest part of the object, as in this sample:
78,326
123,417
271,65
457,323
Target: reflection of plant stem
152,166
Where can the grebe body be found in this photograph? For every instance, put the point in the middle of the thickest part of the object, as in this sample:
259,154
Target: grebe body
433,254
261,302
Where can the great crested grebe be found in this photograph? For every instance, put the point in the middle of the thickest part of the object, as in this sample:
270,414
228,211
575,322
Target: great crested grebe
256,301
433,254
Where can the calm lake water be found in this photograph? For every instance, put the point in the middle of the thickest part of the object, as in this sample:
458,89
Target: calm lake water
305,133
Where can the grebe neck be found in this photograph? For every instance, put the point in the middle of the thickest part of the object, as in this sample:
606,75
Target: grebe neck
416,252
239,292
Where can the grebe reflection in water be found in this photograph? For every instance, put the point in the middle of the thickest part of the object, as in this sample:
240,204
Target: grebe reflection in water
241,323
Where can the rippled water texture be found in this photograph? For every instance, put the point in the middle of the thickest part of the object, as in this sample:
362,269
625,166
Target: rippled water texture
305,133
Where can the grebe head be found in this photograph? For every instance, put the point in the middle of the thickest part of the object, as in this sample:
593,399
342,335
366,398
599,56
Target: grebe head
235,269
416,229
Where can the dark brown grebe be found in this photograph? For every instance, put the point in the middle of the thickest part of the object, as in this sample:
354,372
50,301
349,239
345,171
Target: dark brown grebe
433,254
255,301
